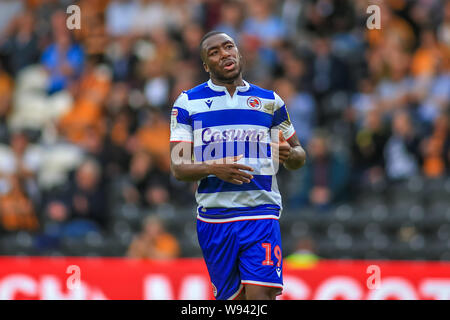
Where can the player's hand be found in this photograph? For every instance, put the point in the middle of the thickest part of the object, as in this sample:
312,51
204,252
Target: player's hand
228,170
281,151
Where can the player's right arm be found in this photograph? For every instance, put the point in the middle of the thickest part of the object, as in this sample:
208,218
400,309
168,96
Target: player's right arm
183,167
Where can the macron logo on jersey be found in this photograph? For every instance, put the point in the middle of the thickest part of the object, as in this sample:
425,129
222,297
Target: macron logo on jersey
209,103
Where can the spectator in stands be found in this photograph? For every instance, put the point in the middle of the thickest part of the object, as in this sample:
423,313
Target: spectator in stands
86,113
402,148
295,68
368,145
16,209
21,47
435,149
120,16
443,30
63,59
154,242
145,185
191,36
330,74
231,18
304,255
87,195
8,11
430,55
362,102
432,95
151,15
394,89
255,70
152,137
22,159
325,177
6,89
134,183
121,122
122,59
157,194
395,28
265,28
301,107
293,16
79,208
156,70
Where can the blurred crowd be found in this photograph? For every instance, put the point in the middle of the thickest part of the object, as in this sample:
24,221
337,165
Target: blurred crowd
84,113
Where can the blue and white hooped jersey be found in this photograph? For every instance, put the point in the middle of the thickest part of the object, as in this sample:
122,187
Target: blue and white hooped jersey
219,126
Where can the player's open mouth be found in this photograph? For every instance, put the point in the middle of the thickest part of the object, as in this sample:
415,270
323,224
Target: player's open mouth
229,65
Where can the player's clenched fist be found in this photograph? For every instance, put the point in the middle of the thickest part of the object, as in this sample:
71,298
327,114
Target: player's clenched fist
281,150
228,170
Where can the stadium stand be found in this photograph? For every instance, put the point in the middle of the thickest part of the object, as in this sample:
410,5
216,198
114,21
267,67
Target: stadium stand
84,135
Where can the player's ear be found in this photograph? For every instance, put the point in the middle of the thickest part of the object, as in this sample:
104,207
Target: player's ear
205,66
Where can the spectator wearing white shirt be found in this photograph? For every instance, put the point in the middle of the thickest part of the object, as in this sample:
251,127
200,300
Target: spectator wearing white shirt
120,15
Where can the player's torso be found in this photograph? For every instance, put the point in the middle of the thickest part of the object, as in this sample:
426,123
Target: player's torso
225,126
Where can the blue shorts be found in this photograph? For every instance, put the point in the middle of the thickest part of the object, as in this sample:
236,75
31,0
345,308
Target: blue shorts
241,252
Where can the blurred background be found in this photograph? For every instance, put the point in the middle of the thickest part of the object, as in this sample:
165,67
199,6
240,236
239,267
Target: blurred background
84,124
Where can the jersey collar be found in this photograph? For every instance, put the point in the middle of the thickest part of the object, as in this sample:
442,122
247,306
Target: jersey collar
216,87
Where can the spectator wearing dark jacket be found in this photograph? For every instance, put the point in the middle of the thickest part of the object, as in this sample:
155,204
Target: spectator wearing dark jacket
325,176
21,48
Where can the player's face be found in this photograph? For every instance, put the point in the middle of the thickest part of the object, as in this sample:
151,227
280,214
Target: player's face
221,57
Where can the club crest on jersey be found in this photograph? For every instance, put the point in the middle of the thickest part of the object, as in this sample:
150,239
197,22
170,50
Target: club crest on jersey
254,103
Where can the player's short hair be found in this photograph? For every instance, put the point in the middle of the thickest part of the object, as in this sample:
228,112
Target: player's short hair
209,34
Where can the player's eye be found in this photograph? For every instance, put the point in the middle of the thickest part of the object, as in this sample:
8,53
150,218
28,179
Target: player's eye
212,53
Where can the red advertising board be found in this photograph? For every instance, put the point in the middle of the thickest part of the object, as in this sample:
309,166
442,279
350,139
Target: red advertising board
187,279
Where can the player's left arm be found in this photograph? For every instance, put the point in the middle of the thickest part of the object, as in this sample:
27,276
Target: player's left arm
291,153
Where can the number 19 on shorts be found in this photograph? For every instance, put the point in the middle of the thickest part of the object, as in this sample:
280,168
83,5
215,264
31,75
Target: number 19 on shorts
277,251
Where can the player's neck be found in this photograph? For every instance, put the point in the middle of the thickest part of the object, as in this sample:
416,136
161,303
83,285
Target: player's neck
229,85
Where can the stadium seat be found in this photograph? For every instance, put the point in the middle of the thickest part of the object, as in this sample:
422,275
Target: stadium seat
18,244
189,245
437,249
296,229
326,249
289,243
360,219
343,212
123,231
379,213
93,244
129,213
435,215
371,230
335,230
320,221
368,201
360,247
398,250
406,191
443,232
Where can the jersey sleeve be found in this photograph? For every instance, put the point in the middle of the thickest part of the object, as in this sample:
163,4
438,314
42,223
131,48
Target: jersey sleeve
281,120
180,122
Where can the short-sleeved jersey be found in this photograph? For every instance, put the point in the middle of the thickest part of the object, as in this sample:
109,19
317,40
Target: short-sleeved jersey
219,126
